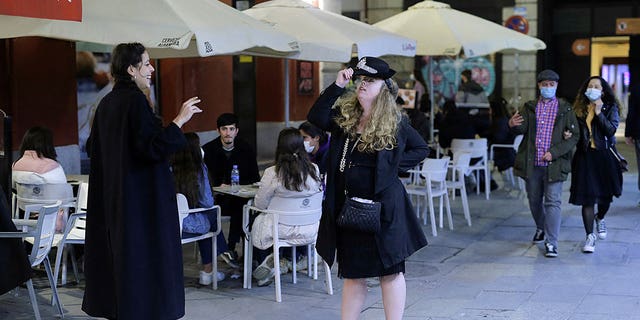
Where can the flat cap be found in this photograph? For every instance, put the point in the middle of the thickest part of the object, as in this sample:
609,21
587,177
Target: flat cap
548,74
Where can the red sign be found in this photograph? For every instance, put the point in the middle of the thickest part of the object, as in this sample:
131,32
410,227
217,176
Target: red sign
44,9
581,47
517,23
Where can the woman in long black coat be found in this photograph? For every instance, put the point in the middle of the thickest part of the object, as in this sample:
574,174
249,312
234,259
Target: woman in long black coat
370,142
133,255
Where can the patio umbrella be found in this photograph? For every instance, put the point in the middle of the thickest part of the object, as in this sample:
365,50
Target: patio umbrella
440,30
326,36
204,27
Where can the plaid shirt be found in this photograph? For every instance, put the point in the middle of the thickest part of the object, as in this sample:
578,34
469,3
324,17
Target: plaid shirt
545,119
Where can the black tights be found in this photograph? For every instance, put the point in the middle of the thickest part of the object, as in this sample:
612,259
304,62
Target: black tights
588,215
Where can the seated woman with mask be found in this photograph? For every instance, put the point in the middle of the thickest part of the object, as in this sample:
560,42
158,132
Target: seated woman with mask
316,143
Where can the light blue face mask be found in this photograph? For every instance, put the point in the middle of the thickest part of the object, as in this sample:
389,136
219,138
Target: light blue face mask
593,94
548,92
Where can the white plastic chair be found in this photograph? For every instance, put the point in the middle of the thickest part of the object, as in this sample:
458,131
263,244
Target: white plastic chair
291,212
459,167
431,183
478,149
42,232
39,194
74,234
183,212
30,197
509,172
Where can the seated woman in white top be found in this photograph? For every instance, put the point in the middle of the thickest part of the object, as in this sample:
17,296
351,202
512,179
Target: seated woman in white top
294,175
37,163
38,166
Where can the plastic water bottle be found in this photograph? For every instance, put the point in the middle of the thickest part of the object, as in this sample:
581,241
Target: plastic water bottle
235,179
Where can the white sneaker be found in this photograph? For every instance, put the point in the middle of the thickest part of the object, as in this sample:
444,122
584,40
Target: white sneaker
264,269
601,228
206,278
267,280
589,243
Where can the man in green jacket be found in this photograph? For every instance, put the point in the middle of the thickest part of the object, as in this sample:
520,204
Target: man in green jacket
543,160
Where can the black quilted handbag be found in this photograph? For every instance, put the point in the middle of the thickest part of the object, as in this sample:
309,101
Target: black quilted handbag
361,216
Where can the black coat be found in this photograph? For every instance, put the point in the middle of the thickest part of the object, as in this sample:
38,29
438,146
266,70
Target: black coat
603,128
455,125
133,255
499,133
13,257
401,234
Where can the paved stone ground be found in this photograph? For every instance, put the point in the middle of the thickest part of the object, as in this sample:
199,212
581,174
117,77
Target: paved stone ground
490,270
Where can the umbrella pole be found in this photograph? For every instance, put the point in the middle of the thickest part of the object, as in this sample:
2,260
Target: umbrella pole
286,93
516,98
432,111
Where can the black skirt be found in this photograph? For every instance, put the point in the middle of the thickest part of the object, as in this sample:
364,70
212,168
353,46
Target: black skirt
358,255
595,177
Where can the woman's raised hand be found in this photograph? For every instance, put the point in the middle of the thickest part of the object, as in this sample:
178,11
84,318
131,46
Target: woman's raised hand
344,76
186,112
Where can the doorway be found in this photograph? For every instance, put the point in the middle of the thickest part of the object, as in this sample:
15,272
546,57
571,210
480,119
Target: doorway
610,60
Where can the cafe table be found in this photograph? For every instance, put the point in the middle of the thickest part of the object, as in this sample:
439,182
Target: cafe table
246,191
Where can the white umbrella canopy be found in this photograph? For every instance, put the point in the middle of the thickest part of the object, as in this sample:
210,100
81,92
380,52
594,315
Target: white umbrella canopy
326,36
170,25
440,30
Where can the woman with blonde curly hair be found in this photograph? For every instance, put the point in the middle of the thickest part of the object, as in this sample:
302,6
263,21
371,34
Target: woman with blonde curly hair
371,141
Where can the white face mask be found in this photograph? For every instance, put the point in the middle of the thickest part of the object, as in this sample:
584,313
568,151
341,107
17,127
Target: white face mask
308,147
593,94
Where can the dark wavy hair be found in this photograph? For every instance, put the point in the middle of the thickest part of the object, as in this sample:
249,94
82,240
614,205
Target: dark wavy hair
314,131
40,140
125,55
581,105
293,165
186,166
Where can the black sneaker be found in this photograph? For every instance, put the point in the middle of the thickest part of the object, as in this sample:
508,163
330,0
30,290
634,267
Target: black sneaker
551,252
538,237
231,259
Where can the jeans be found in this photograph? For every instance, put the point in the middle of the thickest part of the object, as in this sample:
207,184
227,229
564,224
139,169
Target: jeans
204,245
544,201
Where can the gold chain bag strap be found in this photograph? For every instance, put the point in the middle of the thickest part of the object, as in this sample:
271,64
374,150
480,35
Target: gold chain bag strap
357,213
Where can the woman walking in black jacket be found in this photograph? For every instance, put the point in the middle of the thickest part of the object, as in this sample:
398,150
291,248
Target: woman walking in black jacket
595,175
